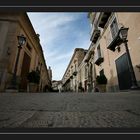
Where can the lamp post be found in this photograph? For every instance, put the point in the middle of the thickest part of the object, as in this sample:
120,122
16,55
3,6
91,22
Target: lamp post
21,42
123,35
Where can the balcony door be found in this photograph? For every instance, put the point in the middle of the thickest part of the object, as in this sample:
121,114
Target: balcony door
99,51
123,72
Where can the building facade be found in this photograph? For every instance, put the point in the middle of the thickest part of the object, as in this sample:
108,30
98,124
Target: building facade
31,55
57,86
86,71
110,53
70,80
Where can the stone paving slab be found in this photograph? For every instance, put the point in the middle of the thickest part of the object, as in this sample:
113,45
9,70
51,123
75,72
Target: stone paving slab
97,119
33,110
14,119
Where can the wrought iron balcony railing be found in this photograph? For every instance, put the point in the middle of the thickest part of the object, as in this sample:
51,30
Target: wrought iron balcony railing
98,58
114,41
95,33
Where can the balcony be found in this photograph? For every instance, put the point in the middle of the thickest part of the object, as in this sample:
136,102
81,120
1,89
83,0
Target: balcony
95,33
71,77
75,73
103,18
89,56
98,59
115,41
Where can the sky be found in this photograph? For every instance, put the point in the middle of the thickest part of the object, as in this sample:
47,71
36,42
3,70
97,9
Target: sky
60,33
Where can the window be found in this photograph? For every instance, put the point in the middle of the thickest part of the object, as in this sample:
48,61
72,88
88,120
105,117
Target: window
75,67
114,28
99,51
86,72
72,70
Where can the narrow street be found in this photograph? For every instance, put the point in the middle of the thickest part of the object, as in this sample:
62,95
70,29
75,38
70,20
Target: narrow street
76,110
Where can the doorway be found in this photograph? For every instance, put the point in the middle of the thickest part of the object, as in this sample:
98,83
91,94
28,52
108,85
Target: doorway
85,85
24,72
123,72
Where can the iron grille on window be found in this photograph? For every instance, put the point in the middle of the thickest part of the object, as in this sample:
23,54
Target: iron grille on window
114,28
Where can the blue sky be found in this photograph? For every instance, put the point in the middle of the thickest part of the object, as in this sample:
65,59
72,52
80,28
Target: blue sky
60,34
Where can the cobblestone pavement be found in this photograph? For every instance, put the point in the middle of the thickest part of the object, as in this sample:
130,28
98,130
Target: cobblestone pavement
31,110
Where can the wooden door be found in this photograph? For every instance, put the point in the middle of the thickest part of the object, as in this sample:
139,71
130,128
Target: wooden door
123,72
24,72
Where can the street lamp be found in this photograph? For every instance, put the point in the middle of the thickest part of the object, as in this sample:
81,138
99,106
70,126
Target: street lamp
21,42
123,35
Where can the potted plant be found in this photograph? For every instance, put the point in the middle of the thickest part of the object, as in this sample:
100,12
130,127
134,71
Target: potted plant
33,78
101,82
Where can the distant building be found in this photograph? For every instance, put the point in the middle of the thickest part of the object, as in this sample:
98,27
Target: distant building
60,86
57,86
70,80
86,71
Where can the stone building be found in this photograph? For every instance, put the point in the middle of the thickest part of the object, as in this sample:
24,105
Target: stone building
31,55
110,52
57,86
86,71
70,80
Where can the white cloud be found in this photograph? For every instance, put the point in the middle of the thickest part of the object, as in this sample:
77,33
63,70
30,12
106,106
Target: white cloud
55,30
58,58
49,25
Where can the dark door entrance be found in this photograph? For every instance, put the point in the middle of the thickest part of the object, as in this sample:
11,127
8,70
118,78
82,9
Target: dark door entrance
24,72
86,85
123,72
